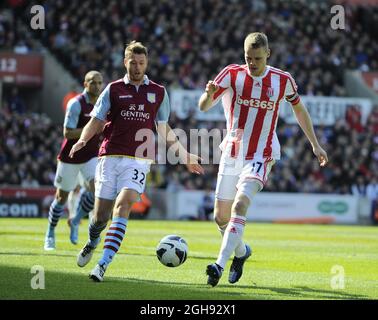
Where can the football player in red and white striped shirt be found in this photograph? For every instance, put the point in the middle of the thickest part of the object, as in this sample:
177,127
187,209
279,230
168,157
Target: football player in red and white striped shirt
251,96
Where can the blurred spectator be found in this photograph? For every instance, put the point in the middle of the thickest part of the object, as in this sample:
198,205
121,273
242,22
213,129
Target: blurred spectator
359,187
15,102
372,194
353,118
28,145
140,209
6,33
21,47
206,208
373,121
155,178
372,189
29,182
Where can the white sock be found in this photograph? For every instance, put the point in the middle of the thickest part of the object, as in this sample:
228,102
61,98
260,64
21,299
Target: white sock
240,249
232,237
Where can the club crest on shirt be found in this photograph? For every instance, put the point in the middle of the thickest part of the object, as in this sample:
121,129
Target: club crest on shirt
151,97
270,92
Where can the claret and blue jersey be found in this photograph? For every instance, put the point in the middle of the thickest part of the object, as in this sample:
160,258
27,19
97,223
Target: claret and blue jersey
77,116
126,109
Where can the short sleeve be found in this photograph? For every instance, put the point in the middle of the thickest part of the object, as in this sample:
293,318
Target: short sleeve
73,110
291,91
102,106
164,109
223,80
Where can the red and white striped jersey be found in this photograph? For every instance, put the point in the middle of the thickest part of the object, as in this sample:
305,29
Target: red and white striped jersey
251,105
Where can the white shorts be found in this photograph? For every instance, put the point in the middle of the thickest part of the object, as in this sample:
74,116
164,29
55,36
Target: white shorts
67,175
116,173
235,175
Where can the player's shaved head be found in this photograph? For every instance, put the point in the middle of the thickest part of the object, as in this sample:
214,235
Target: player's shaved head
93,83
256,40
91,74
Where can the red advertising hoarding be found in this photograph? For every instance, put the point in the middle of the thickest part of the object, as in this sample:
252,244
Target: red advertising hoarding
21,69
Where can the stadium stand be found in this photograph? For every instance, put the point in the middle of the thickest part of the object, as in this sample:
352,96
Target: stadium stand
189,42
28,148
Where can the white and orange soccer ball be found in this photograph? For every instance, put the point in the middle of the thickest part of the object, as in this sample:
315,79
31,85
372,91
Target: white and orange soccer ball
172,250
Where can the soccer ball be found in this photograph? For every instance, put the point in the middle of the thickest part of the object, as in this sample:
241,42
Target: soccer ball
172,250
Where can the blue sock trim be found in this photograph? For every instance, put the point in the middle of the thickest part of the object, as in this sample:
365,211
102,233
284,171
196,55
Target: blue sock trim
120,220
109,253
56,210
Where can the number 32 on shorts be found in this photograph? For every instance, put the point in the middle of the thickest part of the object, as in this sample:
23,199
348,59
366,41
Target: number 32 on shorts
139,176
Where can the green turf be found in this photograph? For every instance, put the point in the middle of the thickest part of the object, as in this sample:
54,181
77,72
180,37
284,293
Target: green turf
288,262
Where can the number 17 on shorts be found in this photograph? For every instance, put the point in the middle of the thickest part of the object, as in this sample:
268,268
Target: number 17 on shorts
257,169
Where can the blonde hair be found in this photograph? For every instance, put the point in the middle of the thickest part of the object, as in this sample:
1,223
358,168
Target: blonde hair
256,40
135,47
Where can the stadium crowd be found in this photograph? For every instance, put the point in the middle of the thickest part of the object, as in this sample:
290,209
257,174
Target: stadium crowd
30,143
353,158
189,42
28,147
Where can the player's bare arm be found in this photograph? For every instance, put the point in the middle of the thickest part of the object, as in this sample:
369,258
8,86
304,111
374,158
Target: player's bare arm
206,100
190,160
93,127
305,123
72,133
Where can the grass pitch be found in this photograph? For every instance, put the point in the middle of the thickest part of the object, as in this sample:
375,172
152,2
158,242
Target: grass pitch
288,262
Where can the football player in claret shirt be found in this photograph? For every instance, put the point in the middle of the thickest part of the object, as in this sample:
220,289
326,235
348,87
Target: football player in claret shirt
83,163
127,107
251,96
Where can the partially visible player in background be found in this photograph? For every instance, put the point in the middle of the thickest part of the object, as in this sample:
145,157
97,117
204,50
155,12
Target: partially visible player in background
73,201
126,107
84,162
251,95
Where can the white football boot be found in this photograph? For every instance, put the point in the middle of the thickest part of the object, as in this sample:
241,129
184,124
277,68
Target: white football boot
85,255
97,274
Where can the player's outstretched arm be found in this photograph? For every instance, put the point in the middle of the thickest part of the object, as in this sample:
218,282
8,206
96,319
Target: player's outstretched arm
305,123
206,100
190,160
93,127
